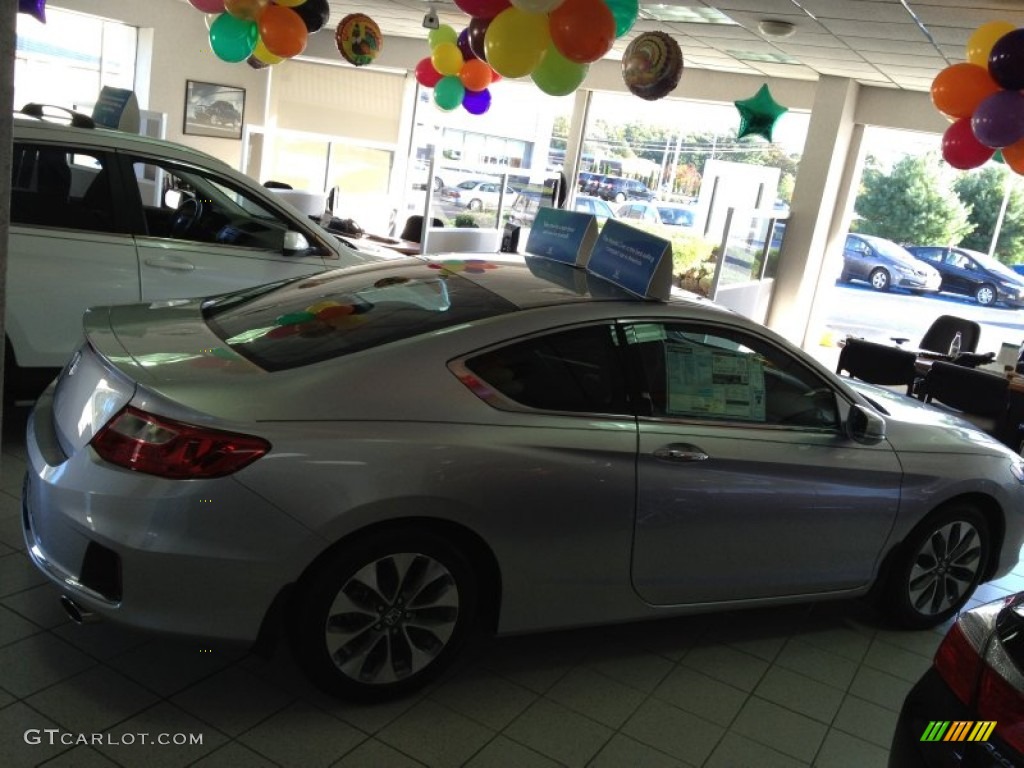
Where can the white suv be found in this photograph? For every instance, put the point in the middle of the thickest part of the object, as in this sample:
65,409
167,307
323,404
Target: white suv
105,217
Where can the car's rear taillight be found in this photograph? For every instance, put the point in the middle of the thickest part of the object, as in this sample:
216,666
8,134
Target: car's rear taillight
976,666
140,441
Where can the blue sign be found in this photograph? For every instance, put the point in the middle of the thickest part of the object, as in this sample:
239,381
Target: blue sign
633,259
566,236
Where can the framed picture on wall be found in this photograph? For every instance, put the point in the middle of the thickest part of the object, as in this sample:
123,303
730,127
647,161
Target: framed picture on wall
213,110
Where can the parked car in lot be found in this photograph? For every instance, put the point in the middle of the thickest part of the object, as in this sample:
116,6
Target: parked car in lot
968,708
105,217
476,194
885,265
669,214
581,456
619,189
595,206
972,273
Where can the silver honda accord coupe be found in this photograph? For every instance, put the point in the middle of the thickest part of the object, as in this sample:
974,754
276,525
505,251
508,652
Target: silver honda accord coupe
380,460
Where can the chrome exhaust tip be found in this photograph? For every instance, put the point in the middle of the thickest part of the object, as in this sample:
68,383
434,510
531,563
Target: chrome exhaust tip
77,613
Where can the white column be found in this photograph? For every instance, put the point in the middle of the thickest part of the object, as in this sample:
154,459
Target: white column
810,233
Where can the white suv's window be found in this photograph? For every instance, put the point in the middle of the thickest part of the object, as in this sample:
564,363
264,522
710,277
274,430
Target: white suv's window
198,206
63,188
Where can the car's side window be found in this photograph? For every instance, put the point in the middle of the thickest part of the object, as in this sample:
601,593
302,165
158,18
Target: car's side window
63,187
697,372
578,370
187,203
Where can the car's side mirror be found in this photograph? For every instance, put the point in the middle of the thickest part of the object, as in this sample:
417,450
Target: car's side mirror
295,241
865,426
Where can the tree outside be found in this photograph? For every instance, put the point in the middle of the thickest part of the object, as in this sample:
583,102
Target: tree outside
982,191
914,204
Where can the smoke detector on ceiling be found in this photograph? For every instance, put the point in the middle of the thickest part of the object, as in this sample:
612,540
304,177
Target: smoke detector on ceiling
775,29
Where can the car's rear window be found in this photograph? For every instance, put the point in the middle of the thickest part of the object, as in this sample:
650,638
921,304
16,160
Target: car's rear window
305,321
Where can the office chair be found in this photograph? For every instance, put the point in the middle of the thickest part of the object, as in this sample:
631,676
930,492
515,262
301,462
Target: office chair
938,337
413,230
878,363
977,396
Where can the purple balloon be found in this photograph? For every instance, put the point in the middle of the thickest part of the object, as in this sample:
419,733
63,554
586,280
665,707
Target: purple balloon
463,43
1006,60
475,34
999,120
35,8
477,102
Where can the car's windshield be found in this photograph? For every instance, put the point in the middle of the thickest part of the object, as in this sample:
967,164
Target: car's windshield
892,250
992,265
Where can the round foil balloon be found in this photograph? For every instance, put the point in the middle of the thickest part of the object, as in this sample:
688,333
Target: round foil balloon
652,65
359,39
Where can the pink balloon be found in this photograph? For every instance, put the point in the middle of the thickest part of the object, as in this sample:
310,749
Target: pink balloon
208,6
483,8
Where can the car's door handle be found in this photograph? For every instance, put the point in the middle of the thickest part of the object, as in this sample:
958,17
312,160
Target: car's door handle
177,266
680,452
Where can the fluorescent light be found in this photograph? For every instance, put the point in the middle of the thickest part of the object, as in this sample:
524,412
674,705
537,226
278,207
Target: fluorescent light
777,58
683,13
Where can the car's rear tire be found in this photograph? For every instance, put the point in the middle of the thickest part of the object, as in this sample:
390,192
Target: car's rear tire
879,279
985,295
384,613
937,567
620,197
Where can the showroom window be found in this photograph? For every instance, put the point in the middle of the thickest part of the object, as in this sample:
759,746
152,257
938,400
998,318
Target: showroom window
691,372
68,60
578,370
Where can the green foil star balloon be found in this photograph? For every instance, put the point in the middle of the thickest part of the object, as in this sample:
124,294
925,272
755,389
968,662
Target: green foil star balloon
758,114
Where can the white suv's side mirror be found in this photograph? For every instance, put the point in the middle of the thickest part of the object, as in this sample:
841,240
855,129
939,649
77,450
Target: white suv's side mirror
295,241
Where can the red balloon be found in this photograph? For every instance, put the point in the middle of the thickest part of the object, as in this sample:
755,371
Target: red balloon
426,75
487,9
960,149
582,30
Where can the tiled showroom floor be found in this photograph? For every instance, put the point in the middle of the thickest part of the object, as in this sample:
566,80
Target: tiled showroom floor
811,685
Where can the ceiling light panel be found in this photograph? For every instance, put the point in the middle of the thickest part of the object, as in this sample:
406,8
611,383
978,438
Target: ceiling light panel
690,14
766,56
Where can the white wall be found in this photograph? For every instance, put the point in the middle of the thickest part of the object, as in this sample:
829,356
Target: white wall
180,50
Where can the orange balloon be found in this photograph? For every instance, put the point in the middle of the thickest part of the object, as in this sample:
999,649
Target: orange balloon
250,10
475,75
1014,156
582,30
959,89
283,31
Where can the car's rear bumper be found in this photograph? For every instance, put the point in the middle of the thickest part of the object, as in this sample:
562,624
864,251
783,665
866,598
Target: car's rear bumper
931,700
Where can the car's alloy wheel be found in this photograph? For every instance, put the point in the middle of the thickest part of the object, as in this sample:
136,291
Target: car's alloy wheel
938,567
985,295
384,615
879,279
620,198
475,205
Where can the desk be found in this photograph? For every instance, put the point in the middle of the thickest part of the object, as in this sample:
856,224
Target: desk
406,247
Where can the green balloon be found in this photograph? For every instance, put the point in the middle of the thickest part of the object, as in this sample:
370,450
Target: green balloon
294,318
448,92
233,39
556,75
443,34
998,157
625,13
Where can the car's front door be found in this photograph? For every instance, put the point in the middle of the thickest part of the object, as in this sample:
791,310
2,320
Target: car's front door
857,258
747,486
202,233
962,274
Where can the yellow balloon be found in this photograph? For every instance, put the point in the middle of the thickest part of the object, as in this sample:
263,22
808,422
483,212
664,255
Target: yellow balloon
979,45
261,53
516,42
447,59
290,3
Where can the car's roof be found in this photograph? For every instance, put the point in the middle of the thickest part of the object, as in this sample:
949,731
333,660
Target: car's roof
35,129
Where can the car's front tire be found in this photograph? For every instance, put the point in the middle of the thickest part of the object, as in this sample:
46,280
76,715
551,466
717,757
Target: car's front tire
985,295
475,205
879,279
937,567
384,614
620,197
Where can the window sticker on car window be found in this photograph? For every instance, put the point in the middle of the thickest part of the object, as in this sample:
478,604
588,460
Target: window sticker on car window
705,381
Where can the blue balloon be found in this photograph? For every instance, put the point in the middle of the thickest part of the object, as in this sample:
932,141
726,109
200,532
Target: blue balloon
477,102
